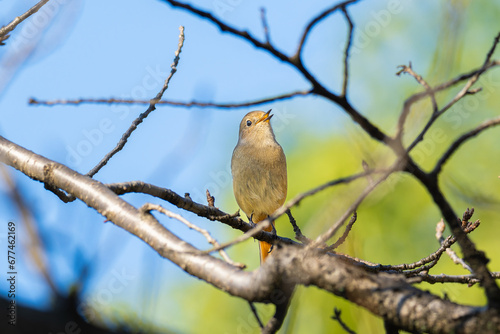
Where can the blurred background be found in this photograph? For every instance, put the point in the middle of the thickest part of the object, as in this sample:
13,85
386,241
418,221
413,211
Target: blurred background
76,49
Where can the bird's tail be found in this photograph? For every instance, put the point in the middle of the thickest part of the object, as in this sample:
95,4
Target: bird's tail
264,247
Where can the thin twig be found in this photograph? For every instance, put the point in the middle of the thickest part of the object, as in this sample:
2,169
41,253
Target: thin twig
296,229
261,226
323,238
410,269
186,203
336,316
281,97
472,77
440,227
150,207
346,50
407,104
5,30
462,279
256,315
215,214
342,239
316,20
265,26
456,144
140,119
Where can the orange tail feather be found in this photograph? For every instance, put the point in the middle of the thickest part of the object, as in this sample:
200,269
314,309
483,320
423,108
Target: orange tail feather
264,247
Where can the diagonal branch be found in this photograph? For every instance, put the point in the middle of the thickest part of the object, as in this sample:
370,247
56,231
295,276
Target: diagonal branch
148,207
472,77
296,62
323,238
412,99
316,20
476,259
4,31
140,119
462,139
451,253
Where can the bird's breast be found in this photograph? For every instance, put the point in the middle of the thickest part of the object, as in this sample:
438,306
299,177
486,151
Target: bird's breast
259,178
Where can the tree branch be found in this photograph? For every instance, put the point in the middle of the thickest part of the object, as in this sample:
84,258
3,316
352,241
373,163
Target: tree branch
389,296
475,258
286,96
145,114
316,20
5,30
456,144
346,51
296,62
472,77
148,207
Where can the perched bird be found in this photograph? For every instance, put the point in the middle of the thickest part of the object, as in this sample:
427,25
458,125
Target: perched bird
258,166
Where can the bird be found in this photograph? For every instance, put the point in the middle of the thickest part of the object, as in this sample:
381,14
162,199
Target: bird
258,167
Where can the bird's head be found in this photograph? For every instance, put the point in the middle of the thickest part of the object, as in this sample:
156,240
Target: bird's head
255,128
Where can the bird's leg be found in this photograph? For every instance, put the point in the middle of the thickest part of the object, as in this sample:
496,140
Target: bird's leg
250,220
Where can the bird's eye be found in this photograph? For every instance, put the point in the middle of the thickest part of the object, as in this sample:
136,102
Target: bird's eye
249,122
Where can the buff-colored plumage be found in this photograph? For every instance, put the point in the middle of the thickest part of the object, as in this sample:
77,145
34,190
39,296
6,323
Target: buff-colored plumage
258,166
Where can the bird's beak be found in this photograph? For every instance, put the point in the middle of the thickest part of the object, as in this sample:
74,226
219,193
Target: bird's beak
266,117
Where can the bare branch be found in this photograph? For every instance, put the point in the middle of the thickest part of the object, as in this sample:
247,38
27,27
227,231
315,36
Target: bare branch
323,238
410,269
150,207
296,62
476,259
256,315
5,30
282,299
145,114
466,90
173,103
260,227
456,144
336,316
296,229
346,50
245,35
451,253
265,25
462,279
348,228
409,102
316,20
